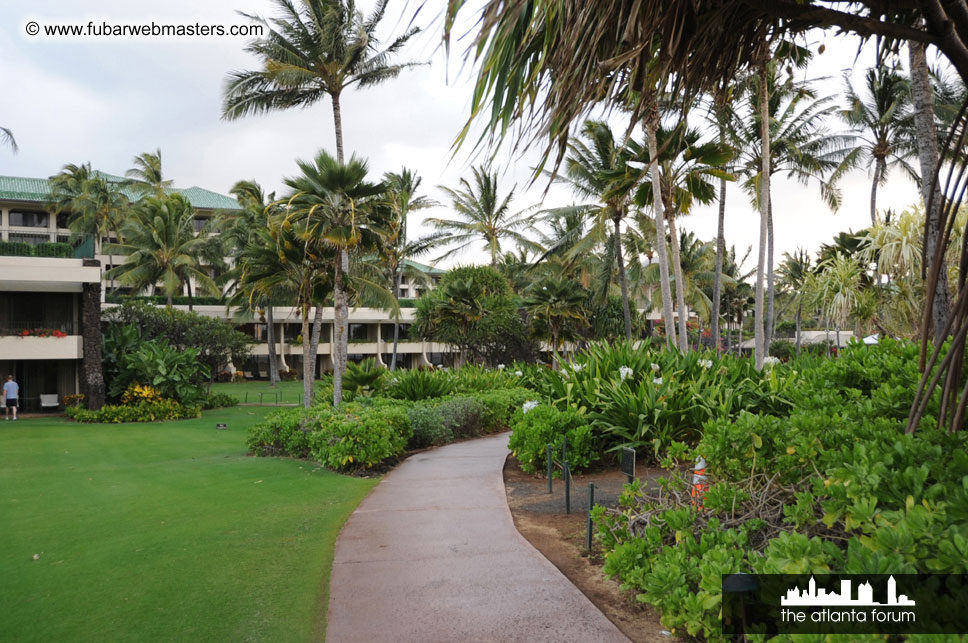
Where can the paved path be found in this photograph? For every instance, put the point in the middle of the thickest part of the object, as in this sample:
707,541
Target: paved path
432,555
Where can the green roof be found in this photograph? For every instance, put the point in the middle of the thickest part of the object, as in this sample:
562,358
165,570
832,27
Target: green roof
17,188
422,267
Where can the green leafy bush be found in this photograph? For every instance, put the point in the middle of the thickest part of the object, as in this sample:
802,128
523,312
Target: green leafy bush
60,250
164,410
499,405
16,249
462,416
280,433
177,374
364,379
428,427
218,401
544,425
356,436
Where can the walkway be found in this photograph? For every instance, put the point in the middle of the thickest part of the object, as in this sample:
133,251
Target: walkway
432,555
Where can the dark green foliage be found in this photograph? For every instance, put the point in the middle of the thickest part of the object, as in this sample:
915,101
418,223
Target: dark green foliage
428,427
60,250
499,405
356,436
546,425
178,300
217,341
177,374
608,321
474,309
218,401
783,349
164,410
16,249
364,379
280,433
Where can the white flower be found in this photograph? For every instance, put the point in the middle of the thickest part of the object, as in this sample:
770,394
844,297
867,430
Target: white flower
657,381
655,367
530,404
518,373
624,372
577,367
706,363
769,360
500,367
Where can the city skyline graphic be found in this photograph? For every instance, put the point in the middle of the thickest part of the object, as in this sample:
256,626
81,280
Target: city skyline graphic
813,596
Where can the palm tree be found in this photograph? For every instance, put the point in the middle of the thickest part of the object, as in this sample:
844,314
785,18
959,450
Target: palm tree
313,51
687,168
97,206
334,199
884,124
240,234
6,136
146,177
793,271
482,215
789,123
402,199
555,306
283,259
598,168
161,246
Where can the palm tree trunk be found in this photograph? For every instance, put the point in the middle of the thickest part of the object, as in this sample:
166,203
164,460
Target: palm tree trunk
338,125
759,338
396,322
341,338
826,330
799,317
927,137
720,250
314,341
651,123
770,281
307,373
271,338
680,287
191,300
622,276
879,168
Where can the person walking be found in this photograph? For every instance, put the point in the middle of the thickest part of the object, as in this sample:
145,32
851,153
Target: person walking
11,391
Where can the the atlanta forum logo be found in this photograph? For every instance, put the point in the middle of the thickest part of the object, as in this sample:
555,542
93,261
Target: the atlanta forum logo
842,607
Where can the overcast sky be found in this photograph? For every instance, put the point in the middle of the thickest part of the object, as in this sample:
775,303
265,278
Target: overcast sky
104,100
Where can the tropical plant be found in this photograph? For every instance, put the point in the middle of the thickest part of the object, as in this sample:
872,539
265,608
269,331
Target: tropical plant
313,50
482,215
884,125
6,136
146,177
334,200
363,379
161,246
556,308
793,272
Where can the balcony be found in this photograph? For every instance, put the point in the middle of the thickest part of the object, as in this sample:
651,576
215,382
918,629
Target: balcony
47,244
40,340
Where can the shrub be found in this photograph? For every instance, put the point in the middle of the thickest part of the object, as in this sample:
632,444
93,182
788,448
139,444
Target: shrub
280,433
164,410
218,401
136,393
499,405
783,349
533,431
74,399
462,416
356,436
61,250
176,374
363,379
428,427
16,249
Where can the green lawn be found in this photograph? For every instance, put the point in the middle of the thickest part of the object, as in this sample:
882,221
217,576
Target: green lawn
289,392
163,532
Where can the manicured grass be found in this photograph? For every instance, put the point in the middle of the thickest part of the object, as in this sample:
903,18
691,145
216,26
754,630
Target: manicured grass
289,392
163,532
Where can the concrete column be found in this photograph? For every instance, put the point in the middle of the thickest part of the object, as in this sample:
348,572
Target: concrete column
4,223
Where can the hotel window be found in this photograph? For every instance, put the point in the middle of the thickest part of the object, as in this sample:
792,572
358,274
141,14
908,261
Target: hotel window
28,219
200,223
62,219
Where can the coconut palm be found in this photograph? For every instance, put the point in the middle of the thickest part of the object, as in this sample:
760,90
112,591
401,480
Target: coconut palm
482,215
401,199
161,246
793,272
557,309
313,50
146,177
884,125
597,167
687,170
240,234
334,199
6,136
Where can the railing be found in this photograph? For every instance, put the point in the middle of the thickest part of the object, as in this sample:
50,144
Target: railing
38,328
46,244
